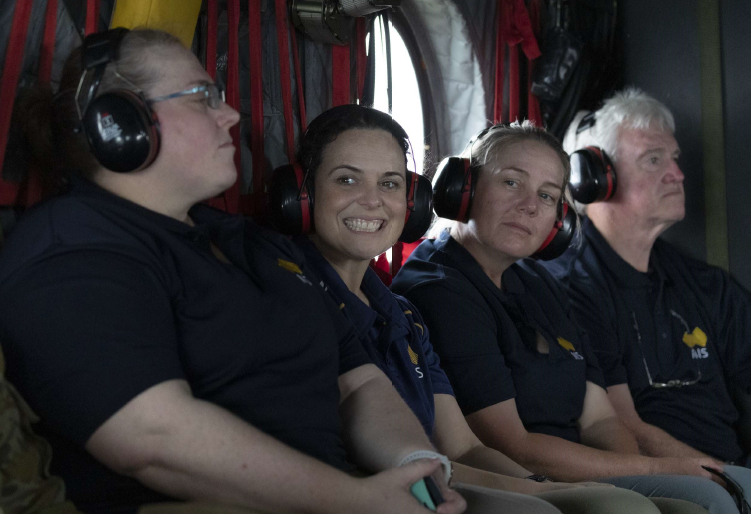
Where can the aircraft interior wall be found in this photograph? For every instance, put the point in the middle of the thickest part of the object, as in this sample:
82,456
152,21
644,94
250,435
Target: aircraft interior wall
661,54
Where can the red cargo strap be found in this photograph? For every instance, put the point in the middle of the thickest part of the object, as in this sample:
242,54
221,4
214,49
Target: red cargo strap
500,53
298,79
212,25
361,57
533,104
232,195
92,16
8,86
285,75
514,28
253,203
340,75
513,83
47,51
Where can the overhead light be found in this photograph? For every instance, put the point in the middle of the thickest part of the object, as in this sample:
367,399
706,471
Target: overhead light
331,21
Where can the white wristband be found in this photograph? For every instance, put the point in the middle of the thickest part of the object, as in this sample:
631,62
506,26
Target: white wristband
427,454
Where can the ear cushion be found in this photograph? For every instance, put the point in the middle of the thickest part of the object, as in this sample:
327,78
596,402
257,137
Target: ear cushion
419,209
291,204
560,237
122,131
454,188
593,177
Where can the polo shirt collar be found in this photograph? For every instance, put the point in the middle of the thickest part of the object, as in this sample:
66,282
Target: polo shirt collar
362,317
512,284
626,275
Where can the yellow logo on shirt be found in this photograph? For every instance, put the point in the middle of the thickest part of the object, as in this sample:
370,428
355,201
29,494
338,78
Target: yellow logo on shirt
696,338
289,266
566,344
294,268
412,355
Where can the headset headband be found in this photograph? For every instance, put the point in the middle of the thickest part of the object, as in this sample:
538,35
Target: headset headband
587,122
99,49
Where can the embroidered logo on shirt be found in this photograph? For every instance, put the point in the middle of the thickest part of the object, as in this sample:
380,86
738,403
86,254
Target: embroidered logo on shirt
412,355
693,339
294,268
566,345
696,338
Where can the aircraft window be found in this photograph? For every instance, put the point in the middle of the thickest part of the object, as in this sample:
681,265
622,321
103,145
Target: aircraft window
407,104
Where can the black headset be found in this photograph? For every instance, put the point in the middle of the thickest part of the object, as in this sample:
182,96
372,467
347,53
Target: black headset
454,189
593,177
291,199
120,127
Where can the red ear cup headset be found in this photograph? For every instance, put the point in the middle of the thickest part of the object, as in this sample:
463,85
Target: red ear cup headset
120,127
454,188
593,177
560,237
292,203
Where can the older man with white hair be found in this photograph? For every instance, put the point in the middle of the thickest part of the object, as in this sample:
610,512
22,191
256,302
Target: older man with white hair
672,335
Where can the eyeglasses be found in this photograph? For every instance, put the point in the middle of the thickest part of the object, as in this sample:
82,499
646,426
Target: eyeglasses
213,94
675,383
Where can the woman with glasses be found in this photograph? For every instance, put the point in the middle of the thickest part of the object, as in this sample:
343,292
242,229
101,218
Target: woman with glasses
522,370
170,350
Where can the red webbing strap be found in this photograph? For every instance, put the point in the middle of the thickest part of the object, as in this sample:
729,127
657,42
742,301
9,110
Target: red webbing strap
285,75
361,57
513,82
339,75
253,204
92,16
298,80
47,52
232,195
500,51
397,258
8,86
533,104
212,25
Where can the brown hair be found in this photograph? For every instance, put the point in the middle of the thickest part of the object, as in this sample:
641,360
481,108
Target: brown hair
48,123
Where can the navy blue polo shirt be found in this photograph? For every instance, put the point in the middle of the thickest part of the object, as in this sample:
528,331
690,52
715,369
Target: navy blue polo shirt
487,337
101,299
393,334
683,317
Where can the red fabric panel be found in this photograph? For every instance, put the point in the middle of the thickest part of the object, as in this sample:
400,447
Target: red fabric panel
285,75
408,248
47,51
254,205
340,75
8,86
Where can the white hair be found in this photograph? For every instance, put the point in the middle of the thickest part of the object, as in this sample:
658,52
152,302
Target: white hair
631,108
